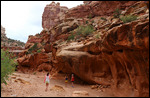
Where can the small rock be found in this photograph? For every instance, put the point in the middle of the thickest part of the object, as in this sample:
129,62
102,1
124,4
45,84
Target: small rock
93,86
13,77
80,93
16,81
57,88
14,95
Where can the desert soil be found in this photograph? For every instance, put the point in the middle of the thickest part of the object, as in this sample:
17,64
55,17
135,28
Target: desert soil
32,85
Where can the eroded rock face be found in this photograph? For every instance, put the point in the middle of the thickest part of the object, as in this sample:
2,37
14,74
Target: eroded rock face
52,15
98,8
35,61
120,59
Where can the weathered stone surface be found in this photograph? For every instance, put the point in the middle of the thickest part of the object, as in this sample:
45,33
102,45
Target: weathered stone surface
137,8
34,39
61,29
48,48
33,61
44,66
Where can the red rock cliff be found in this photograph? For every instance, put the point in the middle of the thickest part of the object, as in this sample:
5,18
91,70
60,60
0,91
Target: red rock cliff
52,15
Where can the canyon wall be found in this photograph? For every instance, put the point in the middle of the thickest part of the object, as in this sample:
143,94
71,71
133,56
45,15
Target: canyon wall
116,54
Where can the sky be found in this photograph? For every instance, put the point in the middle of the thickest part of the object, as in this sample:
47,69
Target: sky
23,18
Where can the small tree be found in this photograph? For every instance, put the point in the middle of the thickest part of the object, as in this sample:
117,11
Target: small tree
7,66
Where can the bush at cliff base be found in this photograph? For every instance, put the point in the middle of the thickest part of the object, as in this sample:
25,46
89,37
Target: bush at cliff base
7,66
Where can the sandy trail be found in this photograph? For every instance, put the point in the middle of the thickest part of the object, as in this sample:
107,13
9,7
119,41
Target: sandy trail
34,86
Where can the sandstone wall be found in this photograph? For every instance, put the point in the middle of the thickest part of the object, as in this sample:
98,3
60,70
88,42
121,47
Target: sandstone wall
52,15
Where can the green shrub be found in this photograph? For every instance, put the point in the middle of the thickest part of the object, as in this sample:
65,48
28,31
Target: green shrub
87,22
34,73
128,18
103,18
82,31
34,47
90,16
117,13
79,30
85,30
26,52
92,21
38,51
71,37
7,66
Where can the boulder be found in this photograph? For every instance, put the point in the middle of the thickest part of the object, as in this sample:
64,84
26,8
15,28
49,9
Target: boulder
33,61
44,66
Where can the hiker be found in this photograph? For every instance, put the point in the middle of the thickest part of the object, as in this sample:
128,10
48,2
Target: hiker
72,79
47,79
66,80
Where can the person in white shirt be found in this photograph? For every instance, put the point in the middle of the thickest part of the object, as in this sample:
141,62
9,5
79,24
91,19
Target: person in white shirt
47,80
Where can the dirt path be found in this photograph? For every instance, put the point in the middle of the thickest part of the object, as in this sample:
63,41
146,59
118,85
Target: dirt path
25,85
